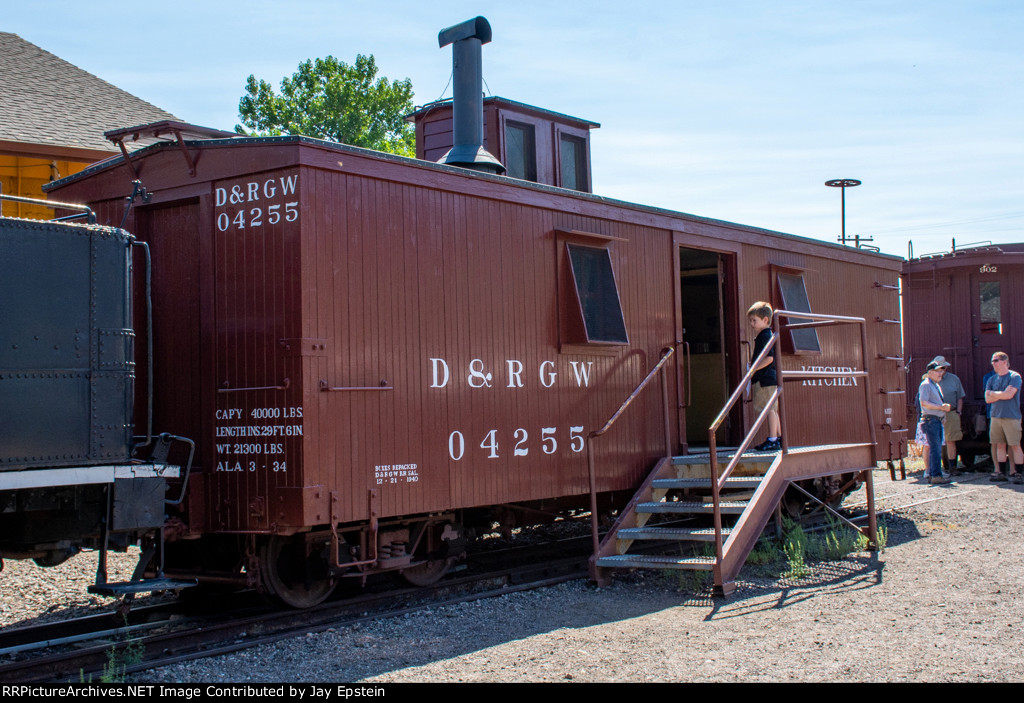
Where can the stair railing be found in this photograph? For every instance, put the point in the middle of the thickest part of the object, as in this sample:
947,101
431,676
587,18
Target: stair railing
718,483
666,354
816,320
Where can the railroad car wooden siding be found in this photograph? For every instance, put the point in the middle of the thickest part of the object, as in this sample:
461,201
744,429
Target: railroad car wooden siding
347,321
960,305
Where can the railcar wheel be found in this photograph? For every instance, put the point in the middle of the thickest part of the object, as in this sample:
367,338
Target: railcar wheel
292,577
54,557
795,504
427,573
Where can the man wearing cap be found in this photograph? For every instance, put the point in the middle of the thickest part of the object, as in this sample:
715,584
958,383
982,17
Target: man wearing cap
952,393
933,410
1002,393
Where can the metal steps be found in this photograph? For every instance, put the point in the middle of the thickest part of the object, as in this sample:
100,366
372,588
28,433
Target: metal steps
626,561
675,488
735,507
654,532
705,483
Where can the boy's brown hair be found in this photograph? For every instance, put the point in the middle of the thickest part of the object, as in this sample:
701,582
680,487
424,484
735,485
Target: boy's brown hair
761,309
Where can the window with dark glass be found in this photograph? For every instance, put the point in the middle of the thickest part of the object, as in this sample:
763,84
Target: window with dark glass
573,163
794,297
520,151
597,294
991,308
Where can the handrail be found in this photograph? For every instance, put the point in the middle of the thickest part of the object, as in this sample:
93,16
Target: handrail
713,429
55,205
818,320
666,354
283,387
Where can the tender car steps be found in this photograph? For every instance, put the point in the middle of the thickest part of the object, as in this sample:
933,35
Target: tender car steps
732,507
623,561
698,534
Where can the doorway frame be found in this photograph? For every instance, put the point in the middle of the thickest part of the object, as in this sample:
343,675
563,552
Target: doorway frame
732,292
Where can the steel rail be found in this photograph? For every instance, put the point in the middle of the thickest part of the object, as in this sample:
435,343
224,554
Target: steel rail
232,631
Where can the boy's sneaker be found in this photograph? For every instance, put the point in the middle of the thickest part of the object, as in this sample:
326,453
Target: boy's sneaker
764,446
938,480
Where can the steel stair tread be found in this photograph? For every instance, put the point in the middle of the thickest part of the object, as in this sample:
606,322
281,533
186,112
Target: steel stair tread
727,507
701,534
724,458
732,482
656,561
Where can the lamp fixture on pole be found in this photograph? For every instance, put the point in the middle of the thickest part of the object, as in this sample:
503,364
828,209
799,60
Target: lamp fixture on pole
843,183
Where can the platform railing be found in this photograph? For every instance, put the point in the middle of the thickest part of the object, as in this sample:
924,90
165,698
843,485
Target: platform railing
816,320
659,368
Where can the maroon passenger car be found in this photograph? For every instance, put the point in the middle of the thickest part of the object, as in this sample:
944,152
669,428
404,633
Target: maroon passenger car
376,355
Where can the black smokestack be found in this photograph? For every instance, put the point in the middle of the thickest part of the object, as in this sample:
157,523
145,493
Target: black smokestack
468,96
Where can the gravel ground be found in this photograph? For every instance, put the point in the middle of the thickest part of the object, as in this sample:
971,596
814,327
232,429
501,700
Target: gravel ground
941,603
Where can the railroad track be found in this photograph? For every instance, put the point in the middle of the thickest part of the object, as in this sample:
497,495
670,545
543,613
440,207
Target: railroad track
882,502
102,645
160,635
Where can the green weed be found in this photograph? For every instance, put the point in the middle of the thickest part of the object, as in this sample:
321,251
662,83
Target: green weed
692,580
120,658
883,537
764,552
794,546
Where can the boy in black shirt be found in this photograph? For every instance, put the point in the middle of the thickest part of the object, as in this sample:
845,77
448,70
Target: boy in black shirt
763,382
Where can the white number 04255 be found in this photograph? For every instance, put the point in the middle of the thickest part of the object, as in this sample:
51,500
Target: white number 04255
273,215
491,443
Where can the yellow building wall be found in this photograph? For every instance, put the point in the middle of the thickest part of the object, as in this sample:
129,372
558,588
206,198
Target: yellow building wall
24,176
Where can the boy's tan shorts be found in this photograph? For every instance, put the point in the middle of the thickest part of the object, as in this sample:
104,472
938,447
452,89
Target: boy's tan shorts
761,395
1004,430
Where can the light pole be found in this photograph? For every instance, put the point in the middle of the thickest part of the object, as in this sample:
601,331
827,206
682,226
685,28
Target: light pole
843,183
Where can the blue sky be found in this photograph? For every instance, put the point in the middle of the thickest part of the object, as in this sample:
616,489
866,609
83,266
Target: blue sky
735,109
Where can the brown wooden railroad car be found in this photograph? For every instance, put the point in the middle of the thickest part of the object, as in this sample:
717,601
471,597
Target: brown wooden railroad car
375,354
960,305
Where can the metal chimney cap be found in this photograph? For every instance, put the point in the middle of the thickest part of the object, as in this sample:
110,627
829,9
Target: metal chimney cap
473,157
476,28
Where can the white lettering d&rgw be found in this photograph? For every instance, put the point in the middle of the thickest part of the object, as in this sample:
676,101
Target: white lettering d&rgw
288,184
582,372
515,373
439,365
547,378
477,378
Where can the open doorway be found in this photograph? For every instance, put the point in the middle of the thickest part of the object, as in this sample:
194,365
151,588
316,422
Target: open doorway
703,282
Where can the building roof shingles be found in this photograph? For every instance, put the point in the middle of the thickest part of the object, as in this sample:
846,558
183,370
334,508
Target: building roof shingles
46,100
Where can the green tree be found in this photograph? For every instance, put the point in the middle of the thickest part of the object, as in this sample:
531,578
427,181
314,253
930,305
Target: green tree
328,99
